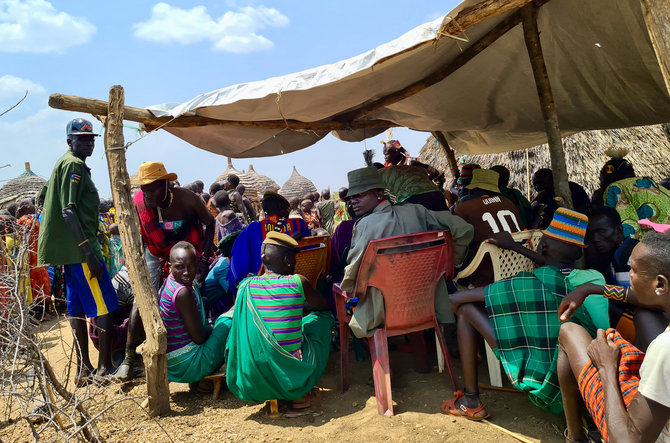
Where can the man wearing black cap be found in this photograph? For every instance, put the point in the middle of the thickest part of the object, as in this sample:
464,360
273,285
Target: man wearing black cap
68,237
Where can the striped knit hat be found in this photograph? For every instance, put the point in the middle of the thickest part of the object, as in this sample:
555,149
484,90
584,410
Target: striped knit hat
568,226
466,173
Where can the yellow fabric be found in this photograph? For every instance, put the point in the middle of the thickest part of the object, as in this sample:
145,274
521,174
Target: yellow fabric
95,290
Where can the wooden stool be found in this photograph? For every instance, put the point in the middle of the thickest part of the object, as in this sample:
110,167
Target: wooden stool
216,379
274,409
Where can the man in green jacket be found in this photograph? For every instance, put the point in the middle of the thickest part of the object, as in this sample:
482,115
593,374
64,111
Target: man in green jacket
68,237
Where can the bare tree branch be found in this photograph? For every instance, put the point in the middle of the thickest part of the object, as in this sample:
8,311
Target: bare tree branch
17,104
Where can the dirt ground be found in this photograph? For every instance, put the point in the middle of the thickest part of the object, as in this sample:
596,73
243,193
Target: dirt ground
351,416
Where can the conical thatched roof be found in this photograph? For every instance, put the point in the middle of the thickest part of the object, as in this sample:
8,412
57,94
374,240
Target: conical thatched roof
297,186
26,185
648,146
260,183
229,170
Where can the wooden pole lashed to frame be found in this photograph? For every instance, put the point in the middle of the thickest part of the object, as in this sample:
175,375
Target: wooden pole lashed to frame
451,157
531,36
155,346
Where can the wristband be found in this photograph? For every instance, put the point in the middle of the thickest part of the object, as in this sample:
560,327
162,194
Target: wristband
350,305
614,292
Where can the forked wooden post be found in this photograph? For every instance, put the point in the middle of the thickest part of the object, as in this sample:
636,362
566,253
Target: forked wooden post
155,347
657,17
451,158
531,36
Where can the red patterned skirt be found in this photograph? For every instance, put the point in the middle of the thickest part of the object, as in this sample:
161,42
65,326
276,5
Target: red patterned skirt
591,386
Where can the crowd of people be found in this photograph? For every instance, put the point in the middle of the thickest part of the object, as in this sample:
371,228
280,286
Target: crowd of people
588,326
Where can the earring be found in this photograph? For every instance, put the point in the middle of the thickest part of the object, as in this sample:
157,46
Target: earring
658,292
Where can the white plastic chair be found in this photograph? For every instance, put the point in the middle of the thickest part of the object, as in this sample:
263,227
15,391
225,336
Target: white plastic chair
506,264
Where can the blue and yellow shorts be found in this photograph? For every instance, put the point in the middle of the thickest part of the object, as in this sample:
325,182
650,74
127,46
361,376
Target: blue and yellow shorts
88,295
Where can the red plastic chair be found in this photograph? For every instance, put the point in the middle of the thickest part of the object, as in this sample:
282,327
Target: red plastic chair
406,269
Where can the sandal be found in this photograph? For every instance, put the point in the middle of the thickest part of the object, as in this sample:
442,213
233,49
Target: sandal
314,396
477,414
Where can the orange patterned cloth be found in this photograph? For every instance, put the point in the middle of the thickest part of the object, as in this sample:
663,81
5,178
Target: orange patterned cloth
40,283
591,386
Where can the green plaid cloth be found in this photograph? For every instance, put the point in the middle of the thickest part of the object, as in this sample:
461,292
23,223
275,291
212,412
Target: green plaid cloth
523,311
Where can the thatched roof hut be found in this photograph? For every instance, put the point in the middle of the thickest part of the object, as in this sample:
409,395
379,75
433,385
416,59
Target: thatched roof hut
229,170
297,186
649,152
256,184
260,183
26,185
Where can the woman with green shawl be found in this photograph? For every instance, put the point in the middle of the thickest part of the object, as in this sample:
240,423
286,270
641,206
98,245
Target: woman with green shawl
273,351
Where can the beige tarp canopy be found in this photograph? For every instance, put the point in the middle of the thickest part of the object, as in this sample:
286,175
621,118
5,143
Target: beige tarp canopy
601,65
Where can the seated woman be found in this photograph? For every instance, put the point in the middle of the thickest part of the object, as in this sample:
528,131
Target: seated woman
609,253
633,197
194,349
378,219
274,352
518,317
626,391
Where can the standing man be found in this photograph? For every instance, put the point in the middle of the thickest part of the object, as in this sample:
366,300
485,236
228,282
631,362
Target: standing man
68,237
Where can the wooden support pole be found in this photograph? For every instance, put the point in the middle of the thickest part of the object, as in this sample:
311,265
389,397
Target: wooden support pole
531,36
151,122
155,347
657,17
451,158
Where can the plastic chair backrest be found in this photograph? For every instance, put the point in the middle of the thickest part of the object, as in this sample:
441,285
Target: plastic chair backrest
508,263
313,260
406,269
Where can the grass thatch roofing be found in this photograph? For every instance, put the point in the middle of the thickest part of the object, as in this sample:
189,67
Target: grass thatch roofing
649,152
261,183
256,184
26,185
297,186
229,170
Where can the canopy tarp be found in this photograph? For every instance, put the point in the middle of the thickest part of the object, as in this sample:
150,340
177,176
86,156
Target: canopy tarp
601,64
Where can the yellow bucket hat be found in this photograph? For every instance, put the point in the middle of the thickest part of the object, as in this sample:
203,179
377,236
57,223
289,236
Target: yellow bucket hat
150,172
486,179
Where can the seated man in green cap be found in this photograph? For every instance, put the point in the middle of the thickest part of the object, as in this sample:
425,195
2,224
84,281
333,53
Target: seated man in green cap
489,212
274,352
246,256
378,219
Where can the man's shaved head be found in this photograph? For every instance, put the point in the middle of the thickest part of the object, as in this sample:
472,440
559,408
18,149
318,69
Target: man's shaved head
278,259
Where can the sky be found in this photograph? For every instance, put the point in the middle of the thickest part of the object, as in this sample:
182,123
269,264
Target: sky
172,51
